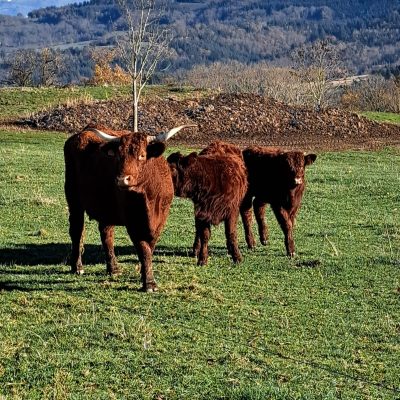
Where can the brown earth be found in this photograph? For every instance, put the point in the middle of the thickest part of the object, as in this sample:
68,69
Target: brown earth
239,118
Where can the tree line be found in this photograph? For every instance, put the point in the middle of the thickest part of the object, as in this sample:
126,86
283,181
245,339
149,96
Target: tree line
316,79
313,74
212,31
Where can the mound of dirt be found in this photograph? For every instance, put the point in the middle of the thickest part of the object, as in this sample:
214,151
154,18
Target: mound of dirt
239,118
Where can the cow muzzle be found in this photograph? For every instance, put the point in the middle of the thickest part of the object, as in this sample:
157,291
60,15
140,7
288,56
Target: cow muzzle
298,181
126,182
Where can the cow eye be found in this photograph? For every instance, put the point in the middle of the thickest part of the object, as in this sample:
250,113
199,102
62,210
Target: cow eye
111,153
142,157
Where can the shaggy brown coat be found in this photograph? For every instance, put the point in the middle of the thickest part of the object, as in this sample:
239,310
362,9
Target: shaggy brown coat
124,183
216,184
277,178
222,148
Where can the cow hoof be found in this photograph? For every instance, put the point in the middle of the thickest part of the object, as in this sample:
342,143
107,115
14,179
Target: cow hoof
263,242
78,271
237,260
201,263
149,288
251,244
115,272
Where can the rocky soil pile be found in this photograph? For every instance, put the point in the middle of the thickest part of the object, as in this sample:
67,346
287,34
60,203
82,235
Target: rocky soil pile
239,118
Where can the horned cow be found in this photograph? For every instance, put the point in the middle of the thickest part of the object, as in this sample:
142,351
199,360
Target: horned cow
216,184
276,178
118,178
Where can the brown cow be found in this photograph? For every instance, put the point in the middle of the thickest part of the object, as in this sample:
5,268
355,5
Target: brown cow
222,148
118,178
216,184
278,178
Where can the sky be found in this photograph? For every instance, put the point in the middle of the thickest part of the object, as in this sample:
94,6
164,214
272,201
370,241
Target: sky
14,7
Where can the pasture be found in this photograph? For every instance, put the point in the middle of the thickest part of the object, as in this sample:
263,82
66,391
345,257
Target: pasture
325,325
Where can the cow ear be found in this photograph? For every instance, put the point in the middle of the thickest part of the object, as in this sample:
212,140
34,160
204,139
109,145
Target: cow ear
110,149
174,157
309,159
155,149
190,159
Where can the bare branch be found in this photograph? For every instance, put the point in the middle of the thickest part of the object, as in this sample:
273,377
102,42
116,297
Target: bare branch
143,47
317,66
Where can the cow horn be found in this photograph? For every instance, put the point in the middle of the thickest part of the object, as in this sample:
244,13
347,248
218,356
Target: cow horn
104,136
163,137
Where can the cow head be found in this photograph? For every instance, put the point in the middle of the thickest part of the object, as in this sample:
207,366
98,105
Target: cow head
295,162
178,164
131,153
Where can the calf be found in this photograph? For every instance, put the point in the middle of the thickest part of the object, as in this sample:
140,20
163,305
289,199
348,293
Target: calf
216,184
118,178
222,148
277,178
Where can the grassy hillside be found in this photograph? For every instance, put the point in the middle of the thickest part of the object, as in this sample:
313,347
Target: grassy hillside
391,118
322,326
20,102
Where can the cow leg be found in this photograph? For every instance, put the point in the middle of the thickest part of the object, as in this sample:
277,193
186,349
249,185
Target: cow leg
259,212
145,255
245,212
107,239
204,231
76,221
197,241
286,225
293,212
152,245
76,232
231,237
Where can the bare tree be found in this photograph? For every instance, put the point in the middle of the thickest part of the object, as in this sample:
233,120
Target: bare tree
34,68
49,63
318,65
21,68
143,47
234,77
374,93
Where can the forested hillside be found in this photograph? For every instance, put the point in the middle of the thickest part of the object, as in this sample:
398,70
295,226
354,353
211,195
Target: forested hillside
23,7
221,30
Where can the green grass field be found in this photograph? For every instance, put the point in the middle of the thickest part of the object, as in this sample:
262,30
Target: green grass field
325,325
391,118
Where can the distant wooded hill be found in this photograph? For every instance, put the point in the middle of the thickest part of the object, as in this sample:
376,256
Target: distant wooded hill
23,7
206,31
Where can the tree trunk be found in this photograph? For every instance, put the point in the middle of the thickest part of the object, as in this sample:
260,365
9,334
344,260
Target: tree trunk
135,105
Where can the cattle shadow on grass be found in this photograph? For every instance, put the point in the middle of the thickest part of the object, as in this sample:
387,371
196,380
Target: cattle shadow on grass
65,286
58,253
10,286
53,254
